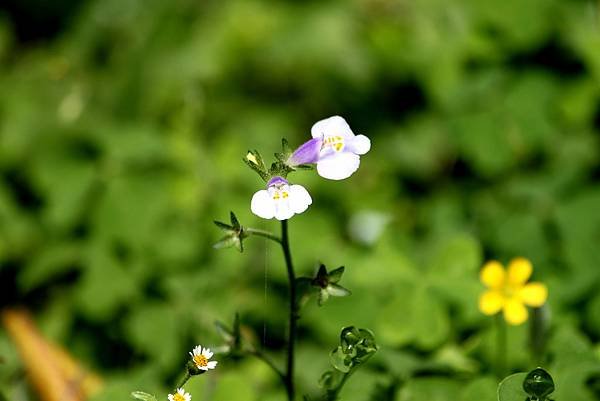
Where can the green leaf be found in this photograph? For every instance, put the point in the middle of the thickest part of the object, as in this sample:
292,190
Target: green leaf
229,241
140,395
234,221
337,290
336,274
573,365
340,360
151,330
322,297
511,388
330,379
431,389
222,225
480,389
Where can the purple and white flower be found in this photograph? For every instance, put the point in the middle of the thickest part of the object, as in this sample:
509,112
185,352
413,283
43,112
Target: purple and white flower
334,148
280,200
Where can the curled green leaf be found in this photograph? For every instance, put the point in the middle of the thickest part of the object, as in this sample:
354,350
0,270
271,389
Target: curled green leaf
330,379
341,360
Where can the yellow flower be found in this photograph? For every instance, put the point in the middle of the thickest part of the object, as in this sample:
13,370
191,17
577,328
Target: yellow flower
509,291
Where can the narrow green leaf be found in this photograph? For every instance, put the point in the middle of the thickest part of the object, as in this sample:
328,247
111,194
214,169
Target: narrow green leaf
337,290
336,274
140,395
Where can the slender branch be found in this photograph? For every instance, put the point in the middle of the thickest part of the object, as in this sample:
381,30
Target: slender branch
332,395
270,363
293,312
263,233
184,380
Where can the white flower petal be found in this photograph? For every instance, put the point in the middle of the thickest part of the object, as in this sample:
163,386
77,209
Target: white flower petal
360,144
207,353
197,350
188,397
202,367
283,210
299,198
170,397
335,125
338,166
212,364
263,205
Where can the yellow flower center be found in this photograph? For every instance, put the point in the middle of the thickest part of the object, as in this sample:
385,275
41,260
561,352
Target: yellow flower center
280,194
200,361
178,397
336,142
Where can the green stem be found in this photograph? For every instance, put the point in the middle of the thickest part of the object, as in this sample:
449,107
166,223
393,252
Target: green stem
537,335
184,380
500,346
263,233
293,312
332,395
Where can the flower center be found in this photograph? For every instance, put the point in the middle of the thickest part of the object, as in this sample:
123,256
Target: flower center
280,194
279,191
510,291
336,142
178,397
200,360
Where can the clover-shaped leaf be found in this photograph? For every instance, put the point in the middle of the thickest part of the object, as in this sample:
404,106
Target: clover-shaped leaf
511,388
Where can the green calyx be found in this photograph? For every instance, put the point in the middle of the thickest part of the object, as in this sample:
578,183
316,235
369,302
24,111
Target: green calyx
279,168
234,234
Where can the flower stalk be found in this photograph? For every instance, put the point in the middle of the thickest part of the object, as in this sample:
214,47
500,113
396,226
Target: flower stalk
263,233
293,311
185,379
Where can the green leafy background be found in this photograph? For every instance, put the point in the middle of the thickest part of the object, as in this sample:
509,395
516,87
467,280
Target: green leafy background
122,131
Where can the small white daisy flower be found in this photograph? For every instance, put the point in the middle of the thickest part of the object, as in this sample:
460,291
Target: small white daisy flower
180,395
201,357
280,200
340,148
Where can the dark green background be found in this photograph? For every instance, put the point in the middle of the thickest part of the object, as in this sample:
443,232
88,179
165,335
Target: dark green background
122,128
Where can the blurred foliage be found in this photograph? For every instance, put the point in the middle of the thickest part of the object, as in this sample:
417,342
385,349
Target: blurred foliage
122,136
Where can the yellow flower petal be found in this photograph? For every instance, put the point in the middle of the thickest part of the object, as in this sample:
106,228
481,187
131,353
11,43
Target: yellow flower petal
515,312
519,271
492,274
534,294
490,302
